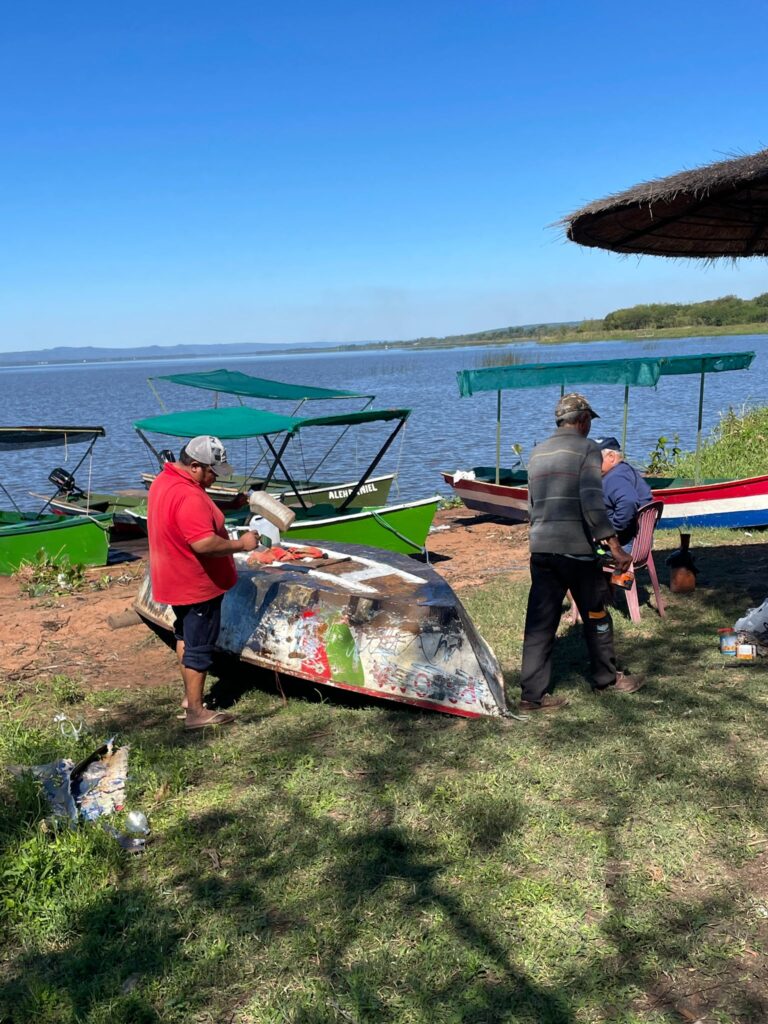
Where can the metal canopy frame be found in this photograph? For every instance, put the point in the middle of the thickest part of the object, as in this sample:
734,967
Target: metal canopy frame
289,432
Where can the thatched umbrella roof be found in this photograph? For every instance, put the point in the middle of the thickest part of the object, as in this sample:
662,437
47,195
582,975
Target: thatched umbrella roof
717,210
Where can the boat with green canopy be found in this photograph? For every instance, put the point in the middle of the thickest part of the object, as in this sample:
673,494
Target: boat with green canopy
228,494
24,536
697,502
244,385
402,527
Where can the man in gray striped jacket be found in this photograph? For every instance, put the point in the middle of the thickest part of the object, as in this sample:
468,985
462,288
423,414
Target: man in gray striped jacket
567,510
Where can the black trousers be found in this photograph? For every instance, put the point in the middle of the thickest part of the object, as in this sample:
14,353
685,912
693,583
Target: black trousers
551,577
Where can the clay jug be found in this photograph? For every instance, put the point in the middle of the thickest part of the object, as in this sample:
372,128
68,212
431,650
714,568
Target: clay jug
682,570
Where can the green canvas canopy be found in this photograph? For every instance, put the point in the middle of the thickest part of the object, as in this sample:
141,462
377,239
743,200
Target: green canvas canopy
633,372
629,372
232,382
242,422
19,438
226,424
717,362
349,419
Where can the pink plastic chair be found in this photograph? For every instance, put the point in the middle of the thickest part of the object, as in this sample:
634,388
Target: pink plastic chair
642,558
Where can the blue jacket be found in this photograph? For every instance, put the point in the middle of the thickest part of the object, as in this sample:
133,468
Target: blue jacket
624,491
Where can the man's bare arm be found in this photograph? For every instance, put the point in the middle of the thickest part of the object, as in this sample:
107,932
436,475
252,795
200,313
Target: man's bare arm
220,546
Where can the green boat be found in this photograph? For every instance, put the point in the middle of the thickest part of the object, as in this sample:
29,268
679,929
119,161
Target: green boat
402,527
228,494
81,541
24,535
126,509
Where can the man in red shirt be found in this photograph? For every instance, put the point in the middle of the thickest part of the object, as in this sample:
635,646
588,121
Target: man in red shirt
191,563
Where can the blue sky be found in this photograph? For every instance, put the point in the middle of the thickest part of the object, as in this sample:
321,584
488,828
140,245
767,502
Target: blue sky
197,172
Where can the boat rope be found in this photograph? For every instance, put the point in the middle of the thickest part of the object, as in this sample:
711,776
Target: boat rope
93,519
388,526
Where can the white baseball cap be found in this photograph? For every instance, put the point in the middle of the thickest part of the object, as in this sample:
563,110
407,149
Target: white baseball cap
209,451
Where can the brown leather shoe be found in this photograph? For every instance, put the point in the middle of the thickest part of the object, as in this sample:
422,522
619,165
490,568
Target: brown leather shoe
624,684
548,703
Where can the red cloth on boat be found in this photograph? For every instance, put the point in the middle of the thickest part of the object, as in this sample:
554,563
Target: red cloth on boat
278,554
179,512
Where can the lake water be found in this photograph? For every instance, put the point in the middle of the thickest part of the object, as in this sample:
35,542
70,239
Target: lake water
443,432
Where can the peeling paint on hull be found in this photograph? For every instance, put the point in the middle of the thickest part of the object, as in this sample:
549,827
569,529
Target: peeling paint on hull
387,627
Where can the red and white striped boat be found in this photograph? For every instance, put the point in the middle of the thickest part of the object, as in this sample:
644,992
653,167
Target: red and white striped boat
731,503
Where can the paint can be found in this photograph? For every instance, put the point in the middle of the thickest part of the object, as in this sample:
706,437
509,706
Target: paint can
728,641
746,652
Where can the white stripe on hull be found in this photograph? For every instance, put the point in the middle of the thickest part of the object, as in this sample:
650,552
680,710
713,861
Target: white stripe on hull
715,506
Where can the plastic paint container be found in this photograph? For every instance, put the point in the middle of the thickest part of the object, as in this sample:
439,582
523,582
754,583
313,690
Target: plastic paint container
728,643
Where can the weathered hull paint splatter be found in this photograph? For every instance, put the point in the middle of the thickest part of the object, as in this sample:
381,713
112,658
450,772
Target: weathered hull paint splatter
386,627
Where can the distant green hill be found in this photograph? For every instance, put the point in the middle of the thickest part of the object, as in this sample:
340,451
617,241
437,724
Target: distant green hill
727,315
670,319
713,313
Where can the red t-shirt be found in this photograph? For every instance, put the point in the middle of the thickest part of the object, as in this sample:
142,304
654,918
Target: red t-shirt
179,512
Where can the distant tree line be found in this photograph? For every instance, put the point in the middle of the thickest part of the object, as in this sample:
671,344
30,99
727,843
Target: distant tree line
713,313
725,311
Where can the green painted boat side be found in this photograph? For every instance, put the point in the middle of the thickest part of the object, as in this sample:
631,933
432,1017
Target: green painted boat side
372,527
77,540
369,526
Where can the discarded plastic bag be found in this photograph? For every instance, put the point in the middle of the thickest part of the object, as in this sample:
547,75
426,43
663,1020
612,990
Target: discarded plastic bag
755,623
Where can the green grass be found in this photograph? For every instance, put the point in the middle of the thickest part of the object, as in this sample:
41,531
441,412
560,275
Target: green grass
698,331
331,862
735,449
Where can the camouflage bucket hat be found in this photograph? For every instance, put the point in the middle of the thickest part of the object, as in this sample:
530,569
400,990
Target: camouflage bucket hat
574,403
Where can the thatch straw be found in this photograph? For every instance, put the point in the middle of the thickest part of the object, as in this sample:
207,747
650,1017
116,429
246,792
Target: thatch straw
717,210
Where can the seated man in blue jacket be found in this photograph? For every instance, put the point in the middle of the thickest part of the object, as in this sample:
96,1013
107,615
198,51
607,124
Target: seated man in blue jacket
624,490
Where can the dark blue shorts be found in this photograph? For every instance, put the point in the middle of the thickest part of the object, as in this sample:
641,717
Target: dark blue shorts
198,626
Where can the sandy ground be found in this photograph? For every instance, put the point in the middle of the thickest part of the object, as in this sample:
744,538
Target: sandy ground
70,635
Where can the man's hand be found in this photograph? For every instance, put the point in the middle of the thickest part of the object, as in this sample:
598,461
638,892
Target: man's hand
622,559
220,546
249,540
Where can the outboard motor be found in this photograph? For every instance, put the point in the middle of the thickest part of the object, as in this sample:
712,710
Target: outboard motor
65,482
166,455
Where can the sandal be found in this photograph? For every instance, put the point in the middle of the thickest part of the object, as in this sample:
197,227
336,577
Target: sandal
215,718
181,715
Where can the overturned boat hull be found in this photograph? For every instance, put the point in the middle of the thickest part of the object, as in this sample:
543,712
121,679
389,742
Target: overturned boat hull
386,627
